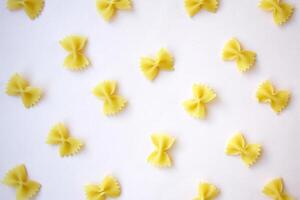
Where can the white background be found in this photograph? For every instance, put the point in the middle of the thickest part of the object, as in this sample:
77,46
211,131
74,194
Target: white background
119,145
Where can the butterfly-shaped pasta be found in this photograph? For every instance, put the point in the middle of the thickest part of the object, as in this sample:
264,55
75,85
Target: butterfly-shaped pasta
267,93
109,188
233,51
74,45
108,8
207,191
59,135
196,107
275,190
32,8
195,6
18,86
151,67
281,11
160,157
249,152
107,92
18,179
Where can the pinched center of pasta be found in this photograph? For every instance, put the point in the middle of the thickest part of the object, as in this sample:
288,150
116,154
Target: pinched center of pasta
112,2
244,151
64,140
239,54
21,183
200,2
276,6
156,64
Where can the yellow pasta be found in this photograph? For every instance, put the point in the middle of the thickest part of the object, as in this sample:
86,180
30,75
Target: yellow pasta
59,135
207,191
74,45
151,67
107,92
160,157
249,152
32,8
108,8
275,190
281,11
109,188
18,86
18,179
233,52
267,93
202,95
194,6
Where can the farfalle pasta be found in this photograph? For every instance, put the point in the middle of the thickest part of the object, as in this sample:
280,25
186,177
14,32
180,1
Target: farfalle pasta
281,10
237,146
59,135
275,190
74,45
151,66
202,95
32,8
18,86
112,102
194,6
108,8
267,93
233,51
207,191
19,180
160,157
108,188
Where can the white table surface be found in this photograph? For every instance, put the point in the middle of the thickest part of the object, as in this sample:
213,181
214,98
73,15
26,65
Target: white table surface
120,145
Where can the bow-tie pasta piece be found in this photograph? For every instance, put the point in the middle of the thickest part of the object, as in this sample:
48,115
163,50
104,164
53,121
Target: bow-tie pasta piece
108,8
18,86
233,52
249,153
74,45
267,93
194,6
59,135
151,66
18,179
32,8
112,102
207,191
202,95
160,157
275,190
109,188
281,11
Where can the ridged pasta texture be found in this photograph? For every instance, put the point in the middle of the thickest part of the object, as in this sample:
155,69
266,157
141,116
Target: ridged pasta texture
275,190
152,66
108,188
75,45
162,143
194,6
207,191
108,8
59,135
249,153
202,95
32,8
112,102
267,93
233,51
18,179
281,10
18,86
